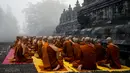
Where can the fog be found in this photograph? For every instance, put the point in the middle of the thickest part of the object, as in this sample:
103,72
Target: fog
16,18
8,25
43,17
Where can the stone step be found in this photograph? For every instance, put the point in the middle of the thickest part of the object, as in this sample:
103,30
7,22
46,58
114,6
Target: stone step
13,68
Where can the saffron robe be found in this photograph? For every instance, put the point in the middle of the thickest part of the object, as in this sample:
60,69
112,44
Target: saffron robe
40,45
77,55
113,56
68,51
100,52
88,57
77,51
19,55
49,57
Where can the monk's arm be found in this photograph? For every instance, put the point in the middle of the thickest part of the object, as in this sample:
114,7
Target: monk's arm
54,48
71,41
23,46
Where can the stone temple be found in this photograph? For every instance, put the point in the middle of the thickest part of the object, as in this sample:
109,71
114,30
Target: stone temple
98,19
68,20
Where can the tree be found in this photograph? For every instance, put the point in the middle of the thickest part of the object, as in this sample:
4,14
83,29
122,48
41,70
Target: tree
43,16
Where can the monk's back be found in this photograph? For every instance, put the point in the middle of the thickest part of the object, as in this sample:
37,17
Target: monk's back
68,48
88,57
100,52
113,56
52,57
77,51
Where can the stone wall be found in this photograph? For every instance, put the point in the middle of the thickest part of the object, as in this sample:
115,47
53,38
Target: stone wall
68,20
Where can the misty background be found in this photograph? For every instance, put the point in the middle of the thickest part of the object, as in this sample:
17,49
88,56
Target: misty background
30,17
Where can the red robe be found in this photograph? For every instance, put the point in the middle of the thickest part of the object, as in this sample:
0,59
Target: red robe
77,55
68,51
88,57
82,43
77,51
113,56
100,52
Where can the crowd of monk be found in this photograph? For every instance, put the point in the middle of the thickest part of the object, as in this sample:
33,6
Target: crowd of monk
82,52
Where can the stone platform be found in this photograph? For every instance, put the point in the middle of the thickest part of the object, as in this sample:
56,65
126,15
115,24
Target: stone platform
28,68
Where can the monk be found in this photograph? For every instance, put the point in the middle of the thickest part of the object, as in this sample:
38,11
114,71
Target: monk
59,44
39,51
77,52
19,52
68,50
88,56
100,51
113,54
49,56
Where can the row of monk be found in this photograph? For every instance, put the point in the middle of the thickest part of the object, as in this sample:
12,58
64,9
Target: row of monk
81,52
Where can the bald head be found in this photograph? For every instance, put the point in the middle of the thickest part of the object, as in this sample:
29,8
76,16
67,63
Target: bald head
109,40
87,39
75,39
50,39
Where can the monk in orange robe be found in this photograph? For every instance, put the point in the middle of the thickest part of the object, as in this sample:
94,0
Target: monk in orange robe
49,56
19,53
59,44
88,56
77,52
100,51
40,45
68,50
112,56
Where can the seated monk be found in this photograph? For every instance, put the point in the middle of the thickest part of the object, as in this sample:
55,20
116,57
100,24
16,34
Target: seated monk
40,45
77,51
68,50
49,56
34,45
100,51
88,56
59,44
21,53
112,56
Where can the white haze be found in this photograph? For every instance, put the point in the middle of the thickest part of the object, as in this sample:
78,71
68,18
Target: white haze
9,31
